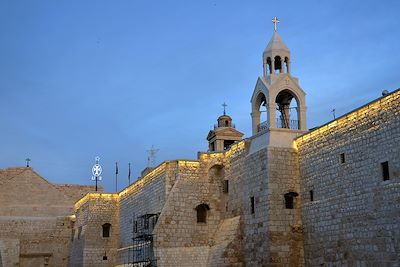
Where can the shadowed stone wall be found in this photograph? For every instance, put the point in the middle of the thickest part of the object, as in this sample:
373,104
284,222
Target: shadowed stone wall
354,218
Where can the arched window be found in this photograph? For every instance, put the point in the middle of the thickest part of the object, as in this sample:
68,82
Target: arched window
106,229
287,69
289,200
269,65
278,65
202,213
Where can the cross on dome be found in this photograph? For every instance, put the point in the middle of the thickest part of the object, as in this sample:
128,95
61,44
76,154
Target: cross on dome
224,105
275,21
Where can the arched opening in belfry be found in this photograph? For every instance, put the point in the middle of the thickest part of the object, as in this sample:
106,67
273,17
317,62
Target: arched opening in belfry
201,211
269,66
278,64
286,65
261,112
287,110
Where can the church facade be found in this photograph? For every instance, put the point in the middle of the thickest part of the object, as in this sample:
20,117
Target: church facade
286,196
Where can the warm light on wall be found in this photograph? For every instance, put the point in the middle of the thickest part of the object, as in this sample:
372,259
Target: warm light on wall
235,148
139,183
95,196
188,163
370,109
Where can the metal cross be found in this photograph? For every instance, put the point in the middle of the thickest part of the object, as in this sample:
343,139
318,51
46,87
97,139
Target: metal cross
152,156
224,105
334,113
275,21
27,162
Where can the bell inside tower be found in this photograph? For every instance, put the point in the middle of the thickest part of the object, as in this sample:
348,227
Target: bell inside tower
287,115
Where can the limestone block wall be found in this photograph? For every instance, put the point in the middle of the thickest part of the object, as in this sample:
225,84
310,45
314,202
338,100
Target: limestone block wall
89,247
38,240
253,185
284,235
258,182
177,226
146,196
45,199
9,252
354,217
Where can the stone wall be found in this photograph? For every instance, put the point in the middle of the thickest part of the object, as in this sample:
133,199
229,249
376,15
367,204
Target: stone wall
285,236
354,218
35,227
90,247
145,196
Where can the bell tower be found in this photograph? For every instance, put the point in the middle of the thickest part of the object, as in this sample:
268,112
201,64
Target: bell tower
278,102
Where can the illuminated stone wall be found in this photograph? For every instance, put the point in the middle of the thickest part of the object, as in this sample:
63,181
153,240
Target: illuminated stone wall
146,196
179,237
271,235
89,246
354,218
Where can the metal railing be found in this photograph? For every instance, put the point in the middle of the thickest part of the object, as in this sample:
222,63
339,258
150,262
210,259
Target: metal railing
287,124
283,124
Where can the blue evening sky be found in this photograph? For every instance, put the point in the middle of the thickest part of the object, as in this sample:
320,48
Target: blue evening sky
112,78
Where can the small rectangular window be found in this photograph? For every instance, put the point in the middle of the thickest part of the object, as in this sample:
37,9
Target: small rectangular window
342,158
226,186
79,232
385,170
311,195
252,205
135,228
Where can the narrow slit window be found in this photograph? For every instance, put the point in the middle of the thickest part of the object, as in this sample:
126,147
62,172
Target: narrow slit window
226,186
385,170
79,232
342,158
252,205
311,195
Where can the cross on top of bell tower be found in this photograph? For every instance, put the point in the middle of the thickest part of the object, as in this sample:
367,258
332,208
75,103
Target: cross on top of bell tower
275,21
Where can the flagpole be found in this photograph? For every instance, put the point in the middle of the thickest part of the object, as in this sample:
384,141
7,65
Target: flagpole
116,176
129,174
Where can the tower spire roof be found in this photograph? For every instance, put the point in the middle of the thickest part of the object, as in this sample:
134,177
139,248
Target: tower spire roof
276,43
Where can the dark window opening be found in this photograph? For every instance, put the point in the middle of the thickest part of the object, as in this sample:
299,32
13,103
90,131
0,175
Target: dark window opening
212,146
104,258
202,213
226,123
228,143
342,158
136,227
289,200
79,232
225,188
252,205
311,195
106,229
385,170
